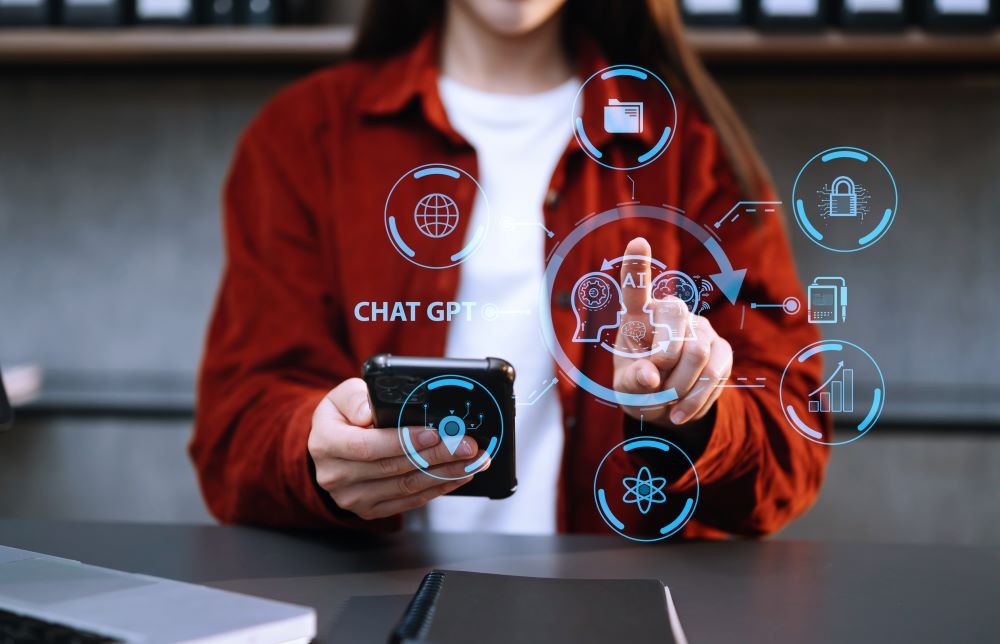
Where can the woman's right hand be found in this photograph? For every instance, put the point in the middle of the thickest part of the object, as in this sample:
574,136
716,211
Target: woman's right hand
364,468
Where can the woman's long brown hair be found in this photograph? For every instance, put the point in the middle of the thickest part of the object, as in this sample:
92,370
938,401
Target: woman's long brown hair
640,32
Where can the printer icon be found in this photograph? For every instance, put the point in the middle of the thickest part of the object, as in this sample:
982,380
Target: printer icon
623,117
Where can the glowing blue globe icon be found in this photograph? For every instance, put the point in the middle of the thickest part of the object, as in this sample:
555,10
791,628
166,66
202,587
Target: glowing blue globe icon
644,489
436,215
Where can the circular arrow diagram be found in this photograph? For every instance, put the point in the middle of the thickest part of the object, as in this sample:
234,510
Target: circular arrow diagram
727,279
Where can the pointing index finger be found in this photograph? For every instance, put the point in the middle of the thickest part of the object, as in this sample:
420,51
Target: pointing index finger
636,275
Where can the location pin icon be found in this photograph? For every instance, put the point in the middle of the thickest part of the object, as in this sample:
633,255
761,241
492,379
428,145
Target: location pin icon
451,429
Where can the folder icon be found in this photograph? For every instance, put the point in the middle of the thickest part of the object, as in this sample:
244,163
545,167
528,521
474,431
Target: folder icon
622,117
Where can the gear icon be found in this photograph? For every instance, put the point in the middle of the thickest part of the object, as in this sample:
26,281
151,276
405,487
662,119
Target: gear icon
594,293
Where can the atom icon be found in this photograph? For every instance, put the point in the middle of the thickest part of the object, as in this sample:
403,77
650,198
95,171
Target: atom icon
644,489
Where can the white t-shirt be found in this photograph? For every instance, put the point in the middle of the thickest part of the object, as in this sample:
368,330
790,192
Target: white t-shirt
518,141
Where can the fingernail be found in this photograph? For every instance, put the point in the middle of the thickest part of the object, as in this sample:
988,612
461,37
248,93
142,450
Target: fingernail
466,448
427,437
677,417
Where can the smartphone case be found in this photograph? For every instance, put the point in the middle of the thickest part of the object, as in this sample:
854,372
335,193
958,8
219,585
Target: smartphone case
400,397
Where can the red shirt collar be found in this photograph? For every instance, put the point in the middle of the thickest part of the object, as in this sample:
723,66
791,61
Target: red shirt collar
410,77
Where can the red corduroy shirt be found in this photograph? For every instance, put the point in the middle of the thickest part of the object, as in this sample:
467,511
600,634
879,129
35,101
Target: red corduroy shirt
306,241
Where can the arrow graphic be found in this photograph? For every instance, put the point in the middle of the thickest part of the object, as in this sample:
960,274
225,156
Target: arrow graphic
730,283
840,365
659,346
608,264
728,279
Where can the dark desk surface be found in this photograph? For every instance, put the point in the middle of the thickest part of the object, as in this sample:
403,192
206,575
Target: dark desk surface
772,591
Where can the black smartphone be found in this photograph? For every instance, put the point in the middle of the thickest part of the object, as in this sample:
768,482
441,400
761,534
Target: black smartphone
457,397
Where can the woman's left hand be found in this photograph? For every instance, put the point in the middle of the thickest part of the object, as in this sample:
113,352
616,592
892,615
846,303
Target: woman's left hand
691,357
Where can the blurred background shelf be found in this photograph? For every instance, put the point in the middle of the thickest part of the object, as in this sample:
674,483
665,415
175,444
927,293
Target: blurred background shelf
321,44
833,47
141,45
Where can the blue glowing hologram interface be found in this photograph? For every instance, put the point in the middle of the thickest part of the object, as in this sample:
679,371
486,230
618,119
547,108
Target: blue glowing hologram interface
598,304
480,413
644,489
844,199
622,116
641,507
843,394
423,219
728,280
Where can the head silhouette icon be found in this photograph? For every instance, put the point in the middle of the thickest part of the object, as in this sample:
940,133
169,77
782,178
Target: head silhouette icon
672,295
597,305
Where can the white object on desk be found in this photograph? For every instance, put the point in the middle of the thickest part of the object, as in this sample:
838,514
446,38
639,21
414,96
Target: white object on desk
140,608
23,383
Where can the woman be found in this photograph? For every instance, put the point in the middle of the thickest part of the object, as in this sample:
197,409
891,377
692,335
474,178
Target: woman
284,431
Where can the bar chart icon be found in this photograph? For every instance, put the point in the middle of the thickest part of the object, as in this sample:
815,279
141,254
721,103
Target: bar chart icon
839,398
836,394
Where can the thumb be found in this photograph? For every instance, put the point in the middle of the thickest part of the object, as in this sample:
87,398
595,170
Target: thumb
351,400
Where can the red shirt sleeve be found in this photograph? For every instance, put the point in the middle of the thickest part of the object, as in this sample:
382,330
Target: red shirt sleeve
756,472
272,351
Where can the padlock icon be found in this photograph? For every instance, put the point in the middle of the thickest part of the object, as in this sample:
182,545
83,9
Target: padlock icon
843,198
